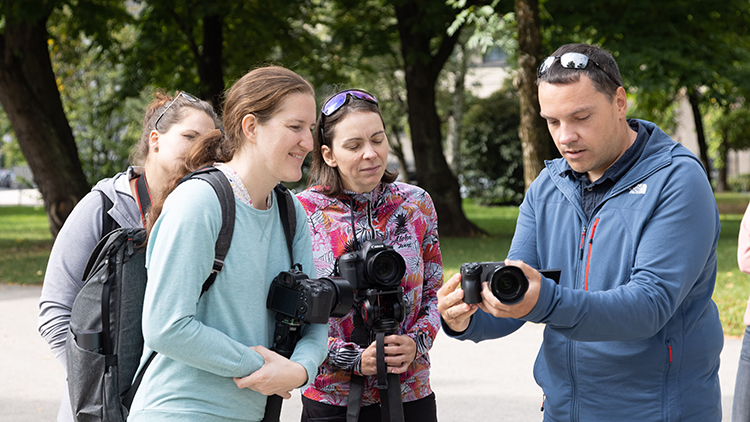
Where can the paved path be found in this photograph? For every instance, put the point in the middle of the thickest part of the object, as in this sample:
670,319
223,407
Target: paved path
491,380
20,197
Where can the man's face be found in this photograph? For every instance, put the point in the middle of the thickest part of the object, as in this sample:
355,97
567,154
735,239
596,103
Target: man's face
587,128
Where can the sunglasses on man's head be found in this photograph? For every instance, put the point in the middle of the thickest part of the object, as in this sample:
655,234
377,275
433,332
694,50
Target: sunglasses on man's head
570,61
337,101
182,94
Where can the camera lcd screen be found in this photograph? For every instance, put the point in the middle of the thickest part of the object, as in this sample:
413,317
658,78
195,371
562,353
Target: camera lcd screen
283,300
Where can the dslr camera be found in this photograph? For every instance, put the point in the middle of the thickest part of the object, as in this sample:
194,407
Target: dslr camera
375,266
507,282
294,295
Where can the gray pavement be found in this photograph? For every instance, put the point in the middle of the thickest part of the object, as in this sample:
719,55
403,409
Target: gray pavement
20,197
491,380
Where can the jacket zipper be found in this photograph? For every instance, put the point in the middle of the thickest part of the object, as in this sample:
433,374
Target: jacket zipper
588,259
583,239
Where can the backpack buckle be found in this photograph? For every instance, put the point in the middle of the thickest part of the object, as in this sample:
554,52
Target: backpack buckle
218,266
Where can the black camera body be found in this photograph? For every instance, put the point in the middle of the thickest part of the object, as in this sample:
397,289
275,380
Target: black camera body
374,266
294,295
507,282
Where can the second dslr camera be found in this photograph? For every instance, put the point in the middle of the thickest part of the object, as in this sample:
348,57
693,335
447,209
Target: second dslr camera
375,266
507,282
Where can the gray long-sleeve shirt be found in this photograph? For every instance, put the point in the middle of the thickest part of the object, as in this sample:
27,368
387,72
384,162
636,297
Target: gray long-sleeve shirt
70,253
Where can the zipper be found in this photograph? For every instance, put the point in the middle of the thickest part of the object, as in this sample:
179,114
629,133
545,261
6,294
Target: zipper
665,393
588,259
583,239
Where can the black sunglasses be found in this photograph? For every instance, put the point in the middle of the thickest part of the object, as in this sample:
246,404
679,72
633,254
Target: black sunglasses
182,94
571,61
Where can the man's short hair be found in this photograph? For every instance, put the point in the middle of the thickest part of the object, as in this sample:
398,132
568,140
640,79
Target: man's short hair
603,82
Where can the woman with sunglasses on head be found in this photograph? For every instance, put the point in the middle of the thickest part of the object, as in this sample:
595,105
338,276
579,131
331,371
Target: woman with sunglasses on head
214,361
354,199
170,125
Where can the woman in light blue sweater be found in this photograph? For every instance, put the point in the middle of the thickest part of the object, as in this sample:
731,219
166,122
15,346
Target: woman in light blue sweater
214,362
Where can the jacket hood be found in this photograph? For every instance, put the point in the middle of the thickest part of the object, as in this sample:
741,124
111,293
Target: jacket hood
124,210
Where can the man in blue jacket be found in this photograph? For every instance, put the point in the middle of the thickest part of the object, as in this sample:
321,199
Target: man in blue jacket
632,333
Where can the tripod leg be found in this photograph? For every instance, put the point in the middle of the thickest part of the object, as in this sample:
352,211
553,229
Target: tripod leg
389,387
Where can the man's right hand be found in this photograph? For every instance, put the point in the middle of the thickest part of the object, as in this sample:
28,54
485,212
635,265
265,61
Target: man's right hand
456,314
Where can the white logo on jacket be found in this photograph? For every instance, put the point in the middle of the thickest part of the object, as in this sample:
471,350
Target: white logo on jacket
638,189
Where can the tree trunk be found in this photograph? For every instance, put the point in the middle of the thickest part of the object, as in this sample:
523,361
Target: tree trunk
532,130
209,62
700,133
457,111
421,72
30,98
721,182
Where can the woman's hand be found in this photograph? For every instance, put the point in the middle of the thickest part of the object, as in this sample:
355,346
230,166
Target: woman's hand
278,375
400,352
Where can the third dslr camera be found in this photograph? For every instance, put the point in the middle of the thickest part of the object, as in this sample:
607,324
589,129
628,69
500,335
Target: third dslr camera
507,282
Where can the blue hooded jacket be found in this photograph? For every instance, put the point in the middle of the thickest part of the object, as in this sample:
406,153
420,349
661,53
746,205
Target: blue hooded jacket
631,330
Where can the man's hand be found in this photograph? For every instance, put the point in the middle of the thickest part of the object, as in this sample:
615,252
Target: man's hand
456,314
278,375
492,306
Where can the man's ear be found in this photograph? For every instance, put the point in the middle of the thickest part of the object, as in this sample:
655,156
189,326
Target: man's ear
249,126
328,157
621,100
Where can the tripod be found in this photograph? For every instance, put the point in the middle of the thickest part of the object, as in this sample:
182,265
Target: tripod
382,312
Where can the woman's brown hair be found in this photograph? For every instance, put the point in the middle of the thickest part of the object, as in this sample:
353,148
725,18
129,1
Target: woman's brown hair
173,114
321,173
260,92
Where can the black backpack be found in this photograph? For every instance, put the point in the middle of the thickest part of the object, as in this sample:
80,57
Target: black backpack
104,342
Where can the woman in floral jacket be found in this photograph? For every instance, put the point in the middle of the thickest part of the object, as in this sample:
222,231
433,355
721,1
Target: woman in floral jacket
356,199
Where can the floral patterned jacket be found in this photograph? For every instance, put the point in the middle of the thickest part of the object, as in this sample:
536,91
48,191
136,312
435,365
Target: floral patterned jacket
402,216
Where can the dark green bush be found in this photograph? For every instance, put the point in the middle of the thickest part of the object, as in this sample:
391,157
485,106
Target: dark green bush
491,156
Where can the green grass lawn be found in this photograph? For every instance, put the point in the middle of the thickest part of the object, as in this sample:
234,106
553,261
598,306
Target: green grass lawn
25,242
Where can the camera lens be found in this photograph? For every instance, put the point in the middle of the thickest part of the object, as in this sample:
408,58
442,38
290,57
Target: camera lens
386,268
509,284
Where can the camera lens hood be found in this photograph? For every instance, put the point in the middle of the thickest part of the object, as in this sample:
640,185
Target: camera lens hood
387,268
509,284
344,299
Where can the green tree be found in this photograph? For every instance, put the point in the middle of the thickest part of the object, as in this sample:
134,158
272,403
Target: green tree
30,97
203,46
363,32
700,46
105,124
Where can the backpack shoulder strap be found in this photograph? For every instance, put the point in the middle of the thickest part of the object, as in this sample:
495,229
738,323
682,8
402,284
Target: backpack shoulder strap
224,192
288,216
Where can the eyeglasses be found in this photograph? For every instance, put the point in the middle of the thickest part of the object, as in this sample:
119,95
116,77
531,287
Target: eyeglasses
337,101
182,94
571,61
